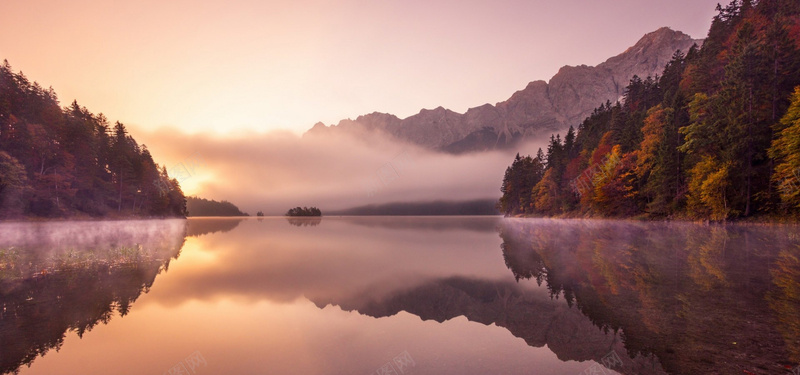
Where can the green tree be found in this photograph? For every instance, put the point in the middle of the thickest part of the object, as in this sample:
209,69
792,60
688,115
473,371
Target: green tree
13,185
746,115
523,174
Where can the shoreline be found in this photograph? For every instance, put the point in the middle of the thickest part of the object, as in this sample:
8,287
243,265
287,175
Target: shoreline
758,220
761,220
35,219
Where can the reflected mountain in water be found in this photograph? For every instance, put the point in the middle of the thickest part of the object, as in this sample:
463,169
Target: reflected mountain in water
536,318
57,277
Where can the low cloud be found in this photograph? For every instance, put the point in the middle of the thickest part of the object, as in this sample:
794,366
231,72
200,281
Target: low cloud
275,171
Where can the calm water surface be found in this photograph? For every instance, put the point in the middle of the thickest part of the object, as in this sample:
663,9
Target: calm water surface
401,295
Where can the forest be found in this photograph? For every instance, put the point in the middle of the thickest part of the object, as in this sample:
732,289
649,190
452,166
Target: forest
69,162
715,137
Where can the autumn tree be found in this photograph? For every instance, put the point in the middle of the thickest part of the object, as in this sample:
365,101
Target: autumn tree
785,151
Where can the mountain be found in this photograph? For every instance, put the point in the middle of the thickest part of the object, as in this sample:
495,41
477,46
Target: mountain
540,109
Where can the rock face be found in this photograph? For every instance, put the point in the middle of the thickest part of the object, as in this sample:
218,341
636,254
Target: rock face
540,109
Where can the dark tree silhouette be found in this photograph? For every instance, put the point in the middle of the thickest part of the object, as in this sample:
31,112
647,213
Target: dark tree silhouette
304,211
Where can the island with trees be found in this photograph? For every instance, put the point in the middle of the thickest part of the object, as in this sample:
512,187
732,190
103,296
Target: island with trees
304,211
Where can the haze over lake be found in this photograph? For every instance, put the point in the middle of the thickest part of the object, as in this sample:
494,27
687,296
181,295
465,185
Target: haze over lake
421,295
400,187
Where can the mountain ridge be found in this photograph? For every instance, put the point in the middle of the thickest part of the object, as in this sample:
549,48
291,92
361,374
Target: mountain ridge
540,109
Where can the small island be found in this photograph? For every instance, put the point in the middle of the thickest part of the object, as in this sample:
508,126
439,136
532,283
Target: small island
304,211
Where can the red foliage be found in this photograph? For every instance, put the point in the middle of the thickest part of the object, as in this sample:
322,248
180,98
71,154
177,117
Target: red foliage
603,149
574,168
794,30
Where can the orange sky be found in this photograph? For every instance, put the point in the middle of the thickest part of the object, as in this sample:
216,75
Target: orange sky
213,65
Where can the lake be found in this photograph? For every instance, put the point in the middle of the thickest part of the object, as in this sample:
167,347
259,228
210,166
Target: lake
398,295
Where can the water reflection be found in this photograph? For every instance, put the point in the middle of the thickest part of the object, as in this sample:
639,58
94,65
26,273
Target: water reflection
528,315
304,221
199,226
349,294
701,299
343,260
243,281
380,267
60,277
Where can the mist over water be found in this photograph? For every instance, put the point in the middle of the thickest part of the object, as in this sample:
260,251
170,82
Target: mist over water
92,234
36,248
457,295
276,171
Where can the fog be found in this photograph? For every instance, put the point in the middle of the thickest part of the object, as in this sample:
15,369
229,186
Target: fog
30,248
63,236
279,170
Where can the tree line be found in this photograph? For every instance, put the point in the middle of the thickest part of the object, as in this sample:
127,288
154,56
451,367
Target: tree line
60,162
716,136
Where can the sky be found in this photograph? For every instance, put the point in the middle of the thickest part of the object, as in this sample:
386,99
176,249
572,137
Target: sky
227,66
213,78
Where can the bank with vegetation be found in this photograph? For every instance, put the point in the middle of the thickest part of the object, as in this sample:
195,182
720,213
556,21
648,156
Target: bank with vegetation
715,137
69,162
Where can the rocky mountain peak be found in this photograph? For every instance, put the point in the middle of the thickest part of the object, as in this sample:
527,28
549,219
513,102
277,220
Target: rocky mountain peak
660,36
539,110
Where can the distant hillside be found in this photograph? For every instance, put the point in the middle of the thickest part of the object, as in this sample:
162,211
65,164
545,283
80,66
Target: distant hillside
204,207
540,109
473,207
